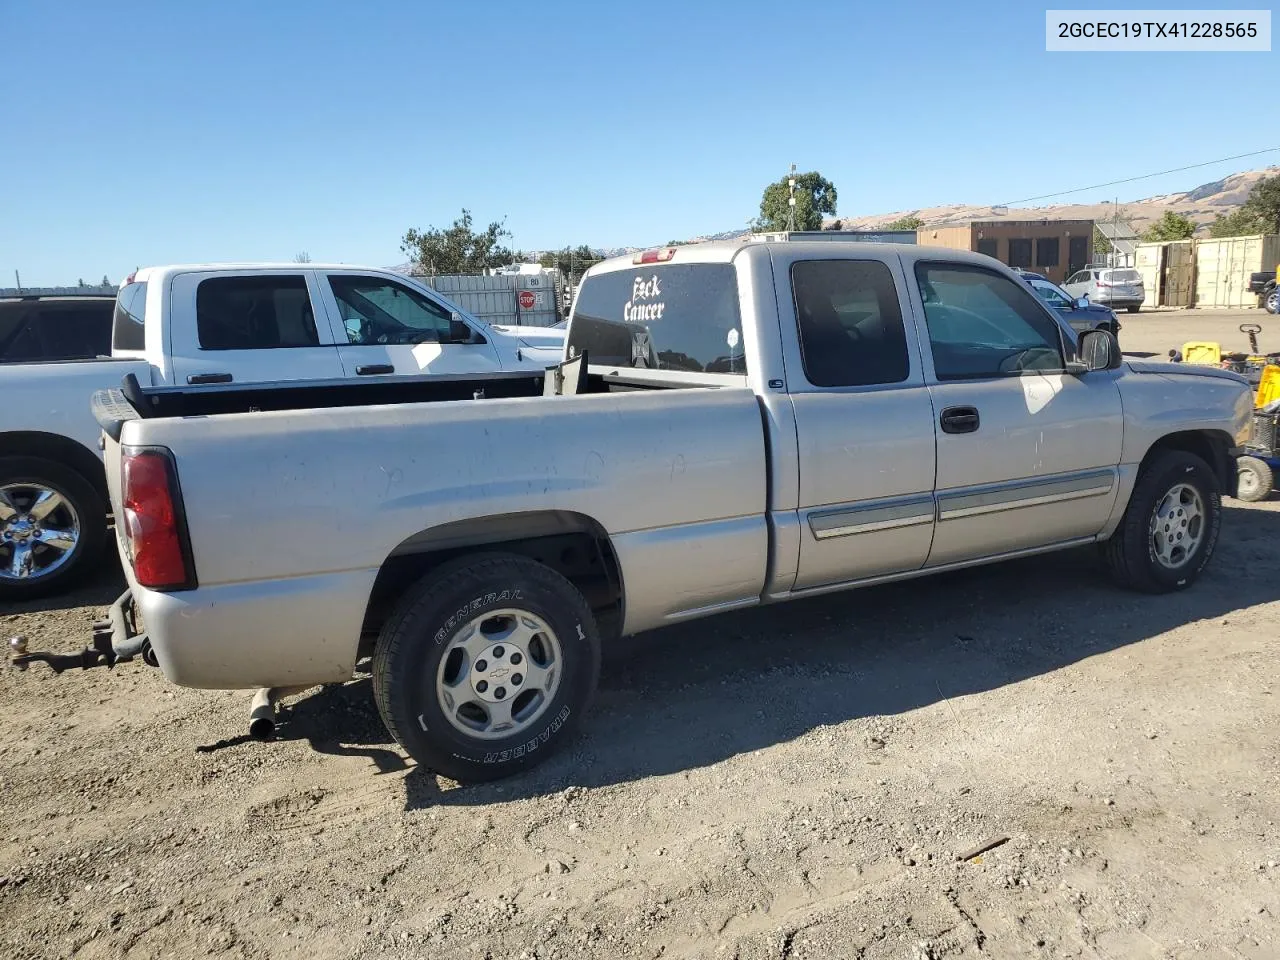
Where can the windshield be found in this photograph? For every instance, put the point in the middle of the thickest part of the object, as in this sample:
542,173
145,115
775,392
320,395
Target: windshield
1051,293
661,317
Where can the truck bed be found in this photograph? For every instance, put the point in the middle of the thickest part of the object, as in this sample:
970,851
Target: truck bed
294,510
132,401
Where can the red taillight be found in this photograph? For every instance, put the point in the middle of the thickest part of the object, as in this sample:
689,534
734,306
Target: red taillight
153,528
655,256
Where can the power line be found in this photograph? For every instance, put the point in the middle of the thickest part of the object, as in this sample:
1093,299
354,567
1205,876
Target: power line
1145,176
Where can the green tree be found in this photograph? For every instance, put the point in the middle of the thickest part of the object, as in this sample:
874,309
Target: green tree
458,248
571,261
1260,212
1171,226
302,257
1100,242
815,195
1237,223
909,222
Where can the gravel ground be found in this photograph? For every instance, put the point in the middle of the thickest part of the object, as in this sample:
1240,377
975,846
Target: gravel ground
1156,331
791,782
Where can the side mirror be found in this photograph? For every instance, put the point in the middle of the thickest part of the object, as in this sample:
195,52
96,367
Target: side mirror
1099,350
460,332
1082,303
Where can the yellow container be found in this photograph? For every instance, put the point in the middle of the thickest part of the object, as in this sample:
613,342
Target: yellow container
1202,351
1268,386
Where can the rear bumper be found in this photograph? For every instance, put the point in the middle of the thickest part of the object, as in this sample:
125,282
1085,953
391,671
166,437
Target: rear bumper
273,633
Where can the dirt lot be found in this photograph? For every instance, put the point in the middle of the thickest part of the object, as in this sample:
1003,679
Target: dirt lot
789,782
1156,331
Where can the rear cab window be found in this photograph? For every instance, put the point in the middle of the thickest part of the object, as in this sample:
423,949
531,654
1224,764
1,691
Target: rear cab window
127,332
659,316
1121,276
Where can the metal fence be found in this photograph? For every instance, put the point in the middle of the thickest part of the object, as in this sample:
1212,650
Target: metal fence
531,300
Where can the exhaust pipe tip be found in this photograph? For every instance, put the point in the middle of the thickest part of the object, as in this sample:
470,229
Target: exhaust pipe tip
262,728
262,710
262,714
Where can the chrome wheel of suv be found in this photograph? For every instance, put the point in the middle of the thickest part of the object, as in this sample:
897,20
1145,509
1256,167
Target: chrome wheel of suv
39,530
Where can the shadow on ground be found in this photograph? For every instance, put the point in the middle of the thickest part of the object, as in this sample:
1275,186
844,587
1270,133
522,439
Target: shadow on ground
99,589
692,695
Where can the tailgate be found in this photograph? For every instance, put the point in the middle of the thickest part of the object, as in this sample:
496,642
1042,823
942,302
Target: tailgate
112,411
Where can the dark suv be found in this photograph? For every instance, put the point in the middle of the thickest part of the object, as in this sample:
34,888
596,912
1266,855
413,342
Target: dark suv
40,329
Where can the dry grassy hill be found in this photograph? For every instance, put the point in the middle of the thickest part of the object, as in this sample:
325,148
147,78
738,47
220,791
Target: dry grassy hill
1202,205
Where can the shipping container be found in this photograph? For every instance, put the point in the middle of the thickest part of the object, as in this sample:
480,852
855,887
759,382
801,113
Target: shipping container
1223,268
522,299
1167,270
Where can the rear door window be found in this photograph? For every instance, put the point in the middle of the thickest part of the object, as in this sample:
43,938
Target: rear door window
850,325
661,317
254,313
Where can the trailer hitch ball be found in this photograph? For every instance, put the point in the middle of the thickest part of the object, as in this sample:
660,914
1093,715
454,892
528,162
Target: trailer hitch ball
18,648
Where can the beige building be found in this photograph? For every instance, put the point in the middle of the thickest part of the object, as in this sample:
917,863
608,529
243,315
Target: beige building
1055,248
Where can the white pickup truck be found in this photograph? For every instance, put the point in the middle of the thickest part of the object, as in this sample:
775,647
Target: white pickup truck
741,423
206,324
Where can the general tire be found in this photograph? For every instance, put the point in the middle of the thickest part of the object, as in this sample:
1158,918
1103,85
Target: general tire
90,511
415,640
1130,553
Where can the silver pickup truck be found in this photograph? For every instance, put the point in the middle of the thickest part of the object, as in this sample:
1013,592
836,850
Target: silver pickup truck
733,424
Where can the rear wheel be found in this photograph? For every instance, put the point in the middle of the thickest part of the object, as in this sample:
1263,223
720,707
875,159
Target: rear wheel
1271,300
1170,527
486,666
1134,309
52,527
1254,479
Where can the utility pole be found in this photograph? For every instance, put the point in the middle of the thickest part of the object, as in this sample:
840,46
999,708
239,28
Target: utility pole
17,280
1115,229
791,200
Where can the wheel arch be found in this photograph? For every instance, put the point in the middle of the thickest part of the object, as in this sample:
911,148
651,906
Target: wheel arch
64,450
1212,446
573,544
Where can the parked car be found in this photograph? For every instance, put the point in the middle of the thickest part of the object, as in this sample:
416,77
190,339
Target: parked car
1117,287
738,424
1079,313
201,325
43,329
1263,283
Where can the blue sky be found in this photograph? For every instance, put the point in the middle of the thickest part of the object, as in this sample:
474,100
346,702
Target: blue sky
180,131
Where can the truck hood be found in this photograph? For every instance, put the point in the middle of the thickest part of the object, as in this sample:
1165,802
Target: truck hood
531,336
1169,369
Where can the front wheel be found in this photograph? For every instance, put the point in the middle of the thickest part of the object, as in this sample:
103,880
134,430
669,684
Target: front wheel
1133,309
52,527
1170,527
1271,300
1254,479
486,666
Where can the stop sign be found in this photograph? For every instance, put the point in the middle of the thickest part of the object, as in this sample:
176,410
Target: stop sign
527,300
